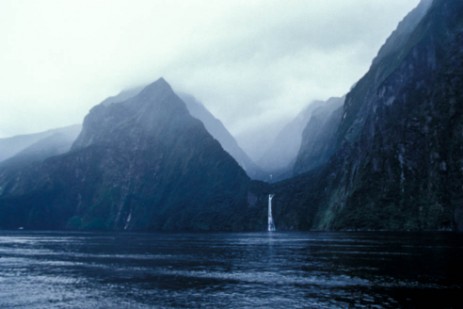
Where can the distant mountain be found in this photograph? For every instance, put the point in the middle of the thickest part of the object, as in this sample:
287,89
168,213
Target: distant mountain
216,128
122,96
281,156
318,137
11,146
397,163
54,142
142,164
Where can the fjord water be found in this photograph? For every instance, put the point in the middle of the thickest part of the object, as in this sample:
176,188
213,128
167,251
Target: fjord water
230,270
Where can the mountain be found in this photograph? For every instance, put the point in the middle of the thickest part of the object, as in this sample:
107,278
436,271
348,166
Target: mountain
213,125
317,141
142,164
216,128
397,159
281,156
11,146
53,142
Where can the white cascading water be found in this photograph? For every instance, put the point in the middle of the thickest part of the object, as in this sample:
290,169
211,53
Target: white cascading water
271,224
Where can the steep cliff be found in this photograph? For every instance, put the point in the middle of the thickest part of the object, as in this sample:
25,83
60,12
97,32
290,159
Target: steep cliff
399,163
398,153
280,156
54,142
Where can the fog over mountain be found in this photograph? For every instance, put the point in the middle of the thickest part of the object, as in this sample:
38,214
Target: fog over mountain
394,160
253,64
38,145
280,157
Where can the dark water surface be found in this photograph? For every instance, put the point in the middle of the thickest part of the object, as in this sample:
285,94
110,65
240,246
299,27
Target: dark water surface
255,270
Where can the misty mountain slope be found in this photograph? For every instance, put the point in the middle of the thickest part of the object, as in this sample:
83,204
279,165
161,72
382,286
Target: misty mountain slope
317,145
11,146
59,142
282,152
143,164
216,128
281,156
390,56
122,96
213,125
399,147
402,153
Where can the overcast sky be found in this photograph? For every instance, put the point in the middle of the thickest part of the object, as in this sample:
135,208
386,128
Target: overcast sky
251,62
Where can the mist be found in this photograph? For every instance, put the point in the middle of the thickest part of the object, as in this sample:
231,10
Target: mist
254,64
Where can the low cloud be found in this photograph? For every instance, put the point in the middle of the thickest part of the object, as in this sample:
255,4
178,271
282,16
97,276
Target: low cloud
252,63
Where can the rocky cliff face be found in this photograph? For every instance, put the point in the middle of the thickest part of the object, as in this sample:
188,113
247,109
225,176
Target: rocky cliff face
213,125
399,145
142,164
399,161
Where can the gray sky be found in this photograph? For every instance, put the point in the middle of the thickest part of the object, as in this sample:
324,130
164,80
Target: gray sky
251,62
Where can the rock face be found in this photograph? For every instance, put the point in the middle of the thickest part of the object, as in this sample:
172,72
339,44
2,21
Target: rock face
142,164
397,162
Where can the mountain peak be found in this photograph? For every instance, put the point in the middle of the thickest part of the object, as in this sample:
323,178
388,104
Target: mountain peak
159,84
149,109
159,89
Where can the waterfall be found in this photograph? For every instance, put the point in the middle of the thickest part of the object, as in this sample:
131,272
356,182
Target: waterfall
271,224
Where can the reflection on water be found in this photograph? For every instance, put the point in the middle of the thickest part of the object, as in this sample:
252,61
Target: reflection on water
255,270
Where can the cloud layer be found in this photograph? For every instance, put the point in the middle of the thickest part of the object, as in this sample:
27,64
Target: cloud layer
253,63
